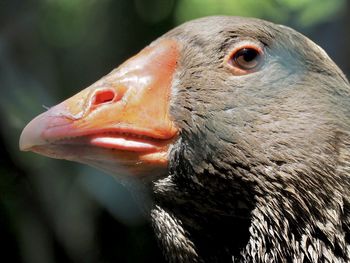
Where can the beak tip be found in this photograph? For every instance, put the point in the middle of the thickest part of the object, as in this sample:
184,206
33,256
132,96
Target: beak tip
22,146
26,141
31,135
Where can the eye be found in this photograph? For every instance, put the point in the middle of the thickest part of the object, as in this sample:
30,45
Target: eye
246,60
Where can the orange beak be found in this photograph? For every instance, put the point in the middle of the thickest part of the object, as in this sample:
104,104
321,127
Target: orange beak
120,121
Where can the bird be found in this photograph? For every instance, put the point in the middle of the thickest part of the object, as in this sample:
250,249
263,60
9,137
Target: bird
239,127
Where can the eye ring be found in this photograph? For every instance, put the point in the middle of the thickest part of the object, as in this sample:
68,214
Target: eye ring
245,59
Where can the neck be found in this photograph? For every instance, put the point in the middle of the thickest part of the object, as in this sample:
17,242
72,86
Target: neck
287,213
188,229
279,228
276,234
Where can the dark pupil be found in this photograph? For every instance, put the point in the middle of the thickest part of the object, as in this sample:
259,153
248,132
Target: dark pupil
247,54
247,58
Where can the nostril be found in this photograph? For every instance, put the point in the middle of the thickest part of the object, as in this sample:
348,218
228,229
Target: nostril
103,96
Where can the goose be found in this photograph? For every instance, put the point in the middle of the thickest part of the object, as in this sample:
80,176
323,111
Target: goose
239,127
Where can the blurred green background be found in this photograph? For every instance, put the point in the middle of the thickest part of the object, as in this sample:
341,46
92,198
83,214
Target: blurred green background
56,211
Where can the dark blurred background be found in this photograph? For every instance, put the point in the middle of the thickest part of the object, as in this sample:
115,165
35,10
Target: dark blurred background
57,211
